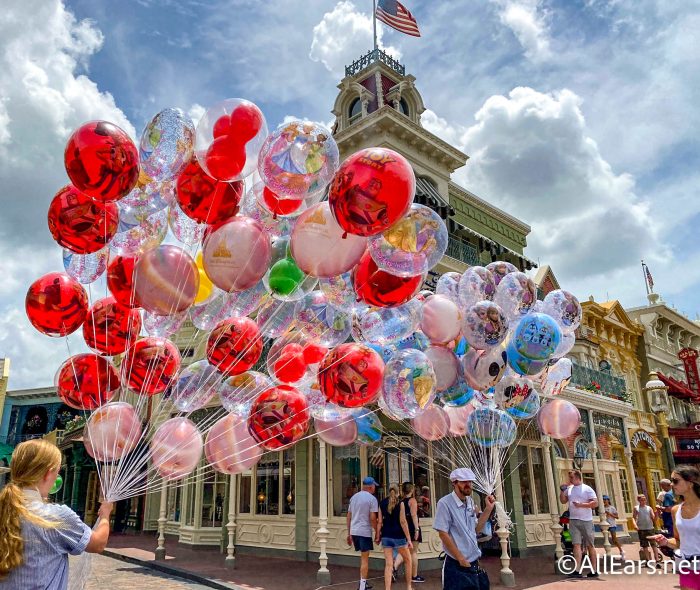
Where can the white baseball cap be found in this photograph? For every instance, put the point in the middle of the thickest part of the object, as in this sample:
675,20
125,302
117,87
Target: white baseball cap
462,474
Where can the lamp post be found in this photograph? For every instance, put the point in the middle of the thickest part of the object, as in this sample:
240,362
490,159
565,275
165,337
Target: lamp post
657,396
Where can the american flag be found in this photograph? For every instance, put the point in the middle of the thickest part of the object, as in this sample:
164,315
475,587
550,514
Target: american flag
397,16
650,281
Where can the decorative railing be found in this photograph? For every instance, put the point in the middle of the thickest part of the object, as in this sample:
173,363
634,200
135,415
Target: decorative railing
373,56
15,439
463,251
600,382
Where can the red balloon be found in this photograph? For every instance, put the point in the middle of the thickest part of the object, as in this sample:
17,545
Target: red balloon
234,345
246,121
290,365
205,199
86,381
150,365
102,161
371,191
278,206
314,353
120,280
222,126
279,417
351,375
379,288
80,223
111,328
225,157
56,304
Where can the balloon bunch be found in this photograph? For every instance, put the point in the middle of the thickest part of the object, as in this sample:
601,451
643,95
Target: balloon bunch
302,310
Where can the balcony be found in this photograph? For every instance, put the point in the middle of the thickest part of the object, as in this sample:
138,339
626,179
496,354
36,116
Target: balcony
372,56
600,382
463,251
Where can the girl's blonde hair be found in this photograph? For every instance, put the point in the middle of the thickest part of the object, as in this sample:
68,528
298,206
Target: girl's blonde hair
393,497
30,462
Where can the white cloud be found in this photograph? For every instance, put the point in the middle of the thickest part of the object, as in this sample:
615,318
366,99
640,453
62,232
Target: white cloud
44,52
527,20
339,35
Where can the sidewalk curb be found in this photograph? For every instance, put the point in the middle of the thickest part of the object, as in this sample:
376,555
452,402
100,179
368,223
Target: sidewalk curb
173,571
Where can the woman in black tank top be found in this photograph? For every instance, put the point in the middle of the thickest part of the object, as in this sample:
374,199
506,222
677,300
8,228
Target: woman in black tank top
410,504
394,534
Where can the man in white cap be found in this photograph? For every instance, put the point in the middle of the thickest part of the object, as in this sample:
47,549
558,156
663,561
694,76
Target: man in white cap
458,520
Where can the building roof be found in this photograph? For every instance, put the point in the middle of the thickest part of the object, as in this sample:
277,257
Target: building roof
677,388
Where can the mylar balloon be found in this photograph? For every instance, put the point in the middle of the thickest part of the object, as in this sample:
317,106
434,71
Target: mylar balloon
459,394
79,223
237,254
477,284
279,417
564,308
230,448
369,426
448,286
536,336
432,424
371,191
110,328
409,383
559,418
515,295
120,280
499,269
523,365
176,448
491,428
517,397
351,375
441,319
298,160
85,268
317,231
112,431
86,381
167,144
445,364
166,280
483,369
379,288
102,161
413,245
150,365
56,304
484,325
383,326
339,432
557,376
205,199
234,346
195,386
320,322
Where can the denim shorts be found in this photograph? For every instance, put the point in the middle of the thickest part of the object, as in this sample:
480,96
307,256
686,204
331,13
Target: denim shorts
388,542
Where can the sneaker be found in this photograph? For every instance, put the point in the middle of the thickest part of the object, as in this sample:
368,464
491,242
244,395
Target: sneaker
575,575
622,555
418,579
393,575
593,575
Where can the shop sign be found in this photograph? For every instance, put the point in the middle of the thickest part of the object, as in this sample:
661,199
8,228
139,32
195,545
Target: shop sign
688,444
643,436
605,423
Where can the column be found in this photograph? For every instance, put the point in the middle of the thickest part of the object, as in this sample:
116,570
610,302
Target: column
552,489
75,489
604,526
323,576
630,466
666,442
162,519
503,532
302,457
231,524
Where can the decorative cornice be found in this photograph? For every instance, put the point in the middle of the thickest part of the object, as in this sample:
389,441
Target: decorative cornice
662,310
594,401
38,392
469,197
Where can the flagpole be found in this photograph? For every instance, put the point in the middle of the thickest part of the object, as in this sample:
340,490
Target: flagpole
646,281
374,22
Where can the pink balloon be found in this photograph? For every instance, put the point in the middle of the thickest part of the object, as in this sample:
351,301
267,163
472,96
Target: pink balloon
441,319
112,431
339,432
432,424
166,280
237,254
176,448
559,418
229,447
445,365
458,419
318,246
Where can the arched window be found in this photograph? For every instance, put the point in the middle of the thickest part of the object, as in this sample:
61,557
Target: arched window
355,108
403,107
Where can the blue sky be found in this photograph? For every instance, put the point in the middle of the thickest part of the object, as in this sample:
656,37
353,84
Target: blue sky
580,117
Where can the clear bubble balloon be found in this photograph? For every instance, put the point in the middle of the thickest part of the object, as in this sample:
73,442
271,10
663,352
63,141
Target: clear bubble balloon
458,394
176,448
557,376
279,417
184,228
369,426
448,286
215,309
298,159
477,284
167,144
413,245
564,308
320,322
559,418
163,325
499,269
286,362
517,396
445,364
409,383
433,424
484,325
340,292
515,295
195,386
386,325
274,226
339,432
133,239
287,282
484,368
441,319
491,428
85,268
275,317
246,302
237,393
565,345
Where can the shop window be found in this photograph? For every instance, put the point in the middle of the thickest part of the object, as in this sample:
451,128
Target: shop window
345,476
624,483
173,505
191,495
533,486
288,498
213,496
267,484
540,484
246,478
525,481
655,484
444,464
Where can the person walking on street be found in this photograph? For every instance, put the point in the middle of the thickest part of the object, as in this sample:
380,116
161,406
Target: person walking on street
36,537
685,480
643,522
362,525
582,500
393,532
665,501
411,507
611,516
458,521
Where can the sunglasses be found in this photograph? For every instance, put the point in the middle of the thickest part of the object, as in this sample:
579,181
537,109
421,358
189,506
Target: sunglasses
675,480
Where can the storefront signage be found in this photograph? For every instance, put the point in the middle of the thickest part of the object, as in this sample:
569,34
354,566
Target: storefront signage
605,423
688,444
643,436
